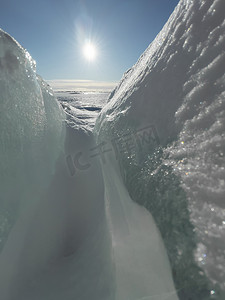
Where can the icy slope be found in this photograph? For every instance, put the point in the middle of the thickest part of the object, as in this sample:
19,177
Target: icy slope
32,131
31,139
142,269
176,167
54,237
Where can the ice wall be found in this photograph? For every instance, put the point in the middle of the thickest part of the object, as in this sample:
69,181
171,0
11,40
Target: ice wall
54,237
31,136
175,166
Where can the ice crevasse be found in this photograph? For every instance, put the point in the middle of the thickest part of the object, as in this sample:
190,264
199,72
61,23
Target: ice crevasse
151,223
56,234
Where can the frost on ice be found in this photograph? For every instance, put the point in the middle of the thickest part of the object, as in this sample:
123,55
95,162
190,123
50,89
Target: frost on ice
178,86
147,222
31,135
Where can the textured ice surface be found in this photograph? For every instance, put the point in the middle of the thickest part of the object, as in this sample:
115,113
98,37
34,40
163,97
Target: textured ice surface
31,131
31,140
142,269
177,170
55,242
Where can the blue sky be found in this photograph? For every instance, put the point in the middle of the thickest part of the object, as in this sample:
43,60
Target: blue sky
54,31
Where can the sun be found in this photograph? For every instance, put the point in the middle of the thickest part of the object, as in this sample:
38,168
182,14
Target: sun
90,51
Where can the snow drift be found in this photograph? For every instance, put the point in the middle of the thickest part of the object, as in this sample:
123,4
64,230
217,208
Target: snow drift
166,121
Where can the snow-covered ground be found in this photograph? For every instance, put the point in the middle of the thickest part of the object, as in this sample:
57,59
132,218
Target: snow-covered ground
135,211
84,106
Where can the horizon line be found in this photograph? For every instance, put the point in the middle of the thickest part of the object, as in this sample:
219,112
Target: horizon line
81,84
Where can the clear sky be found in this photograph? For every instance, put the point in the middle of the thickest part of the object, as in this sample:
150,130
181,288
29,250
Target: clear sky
55,31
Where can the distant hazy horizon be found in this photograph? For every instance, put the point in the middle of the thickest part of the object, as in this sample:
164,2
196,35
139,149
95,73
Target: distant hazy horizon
81,85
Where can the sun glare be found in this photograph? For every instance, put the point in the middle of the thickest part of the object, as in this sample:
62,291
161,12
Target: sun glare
89,51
